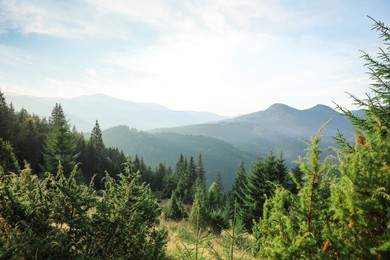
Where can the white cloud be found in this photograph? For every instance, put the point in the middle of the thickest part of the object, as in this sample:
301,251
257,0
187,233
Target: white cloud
204,55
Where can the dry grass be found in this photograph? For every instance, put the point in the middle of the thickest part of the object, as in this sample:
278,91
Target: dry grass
211,247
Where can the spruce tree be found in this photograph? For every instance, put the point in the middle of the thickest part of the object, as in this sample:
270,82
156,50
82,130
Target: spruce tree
236,195
8,161
215,193
199,215
96,156
200,173
175,209
256,190
60,145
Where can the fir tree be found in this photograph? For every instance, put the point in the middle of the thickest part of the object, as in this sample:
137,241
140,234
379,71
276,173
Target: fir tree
257,188
215,193
200,173
175,209
199,215
8,161
60,145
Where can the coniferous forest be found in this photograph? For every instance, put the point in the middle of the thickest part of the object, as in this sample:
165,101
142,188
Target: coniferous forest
67,196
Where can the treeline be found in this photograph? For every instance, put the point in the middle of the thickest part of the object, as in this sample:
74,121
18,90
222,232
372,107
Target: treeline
44,142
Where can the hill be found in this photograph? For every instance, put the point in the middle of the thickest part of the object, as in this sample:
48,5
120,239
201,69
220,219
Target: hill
167,147
279,128
82,112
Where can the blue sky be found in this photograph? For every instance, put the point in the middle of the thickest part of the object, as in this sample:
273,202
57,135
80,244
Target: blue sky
223,56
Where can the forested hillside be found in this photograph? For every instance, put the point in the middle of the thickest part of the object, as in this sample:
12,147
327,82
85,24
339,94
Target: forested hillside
279,128
165,148
64,196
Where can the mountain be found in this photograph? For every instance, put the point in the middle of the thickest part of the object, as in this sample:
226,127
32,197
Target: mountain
82,112
279,128
166,147
225,143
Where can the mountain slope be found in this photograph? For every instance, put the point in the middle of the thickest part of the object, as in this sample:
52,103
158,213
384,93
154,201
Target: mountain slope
82,112
167,147
278,128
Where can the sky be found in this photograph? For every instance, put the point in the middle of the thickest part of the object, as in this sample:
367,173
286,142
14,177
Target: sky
228,57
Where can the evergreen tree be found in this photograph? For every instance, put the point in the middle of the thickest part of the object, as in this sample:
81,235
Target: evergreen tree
200,173
60,145
8,161
58,218
293,226
215,197
281,172
376,108
217,208
237,193
29,140
199,215
96,156
175,209
255,192
7,120
360,200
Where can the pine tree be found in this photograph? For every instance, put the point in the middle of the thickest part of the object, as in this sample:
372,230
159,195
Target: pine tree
60,145
175,209
257,188
200,173
199,215
237,193
215,193
96,156
8,161
217,208
7,120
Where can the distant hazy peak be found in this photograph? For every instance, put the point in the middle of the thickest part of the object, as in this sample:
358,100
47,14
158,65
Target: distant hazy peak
321,108
280,107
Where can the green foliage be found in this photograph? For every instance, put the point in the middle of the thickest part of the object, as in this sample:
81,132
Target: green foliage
57,217
360,198
8,161
174,209
232,239
341,209
125,219
60,144
199,215
259,186
293,226
276,233
215,196
195,240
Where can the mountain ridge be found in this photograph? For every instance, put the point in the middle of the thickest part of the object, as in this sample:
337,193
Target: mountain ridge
83,111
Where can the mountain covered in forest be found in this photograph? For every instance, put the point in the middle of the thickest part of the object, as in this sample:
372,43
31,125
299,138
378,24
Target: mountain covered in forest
279,128
223,144
83,111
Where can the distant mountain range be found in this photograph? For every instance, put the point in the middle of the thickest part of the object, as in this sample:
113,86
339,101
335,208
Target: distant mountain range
83,111
222,142
279,128
225,143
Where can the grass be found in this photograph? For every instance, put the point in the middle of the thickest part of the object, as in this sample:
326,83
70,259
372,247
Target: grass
182,239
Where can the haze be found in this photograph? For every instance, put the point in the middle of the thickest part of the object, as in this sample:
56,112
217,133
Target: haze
225,57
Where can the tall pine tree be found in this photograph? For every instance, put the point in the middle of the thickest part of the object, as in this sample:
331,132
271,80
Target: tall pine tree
60,144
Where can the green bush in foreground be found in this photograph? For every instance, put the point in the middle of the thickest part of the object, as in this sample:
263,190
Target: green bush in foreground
56,217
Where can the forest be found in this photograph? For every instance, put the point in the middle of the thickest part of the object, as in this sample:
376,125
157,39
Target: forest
67,196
